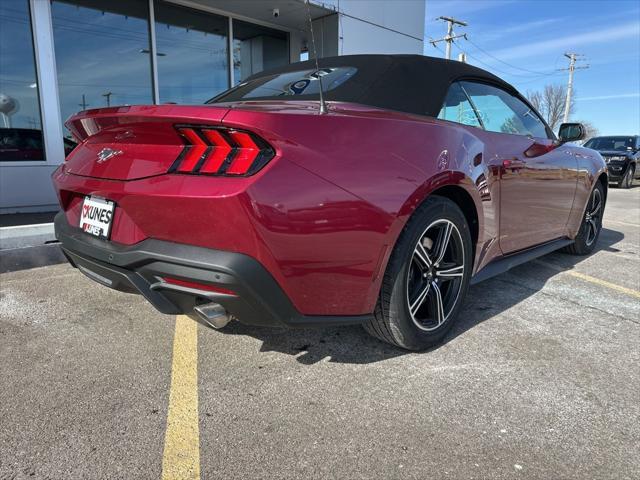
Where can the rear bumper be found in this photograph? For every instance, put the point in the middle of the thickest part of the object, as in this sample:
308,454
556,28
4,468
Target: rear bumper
257,299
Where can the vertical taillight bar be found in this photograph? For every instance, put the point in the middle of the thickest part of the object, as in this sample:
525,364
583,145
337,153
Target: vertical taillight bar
197,148
247,153
221,151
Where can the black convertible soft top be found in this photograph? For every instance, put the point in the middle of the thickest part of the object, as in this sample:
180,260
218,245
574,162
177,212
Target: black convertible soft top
406,83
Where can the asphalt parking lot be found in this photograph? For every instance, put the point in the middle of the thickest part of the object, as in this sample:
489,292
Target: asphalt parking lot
540,379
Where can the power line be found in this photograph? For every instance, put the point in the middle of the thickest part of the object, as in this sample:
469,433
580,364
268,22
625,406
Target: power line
506,63
484,63
531,80
450,36
492,67
438,48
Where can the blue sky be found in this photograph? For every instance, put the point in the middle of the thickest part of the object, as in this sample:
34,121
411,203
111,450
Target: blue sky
523,42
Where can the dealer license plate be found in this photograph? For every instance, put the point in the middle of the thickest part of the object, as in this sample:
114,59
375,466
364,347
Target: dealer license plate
96,216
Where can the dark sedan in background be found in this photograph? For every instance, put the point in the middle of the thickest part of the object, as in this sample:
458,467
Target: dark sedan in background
621,154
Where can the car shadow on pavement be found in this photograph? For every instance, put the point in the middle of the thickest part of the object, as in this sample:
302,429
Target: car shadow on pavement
352,345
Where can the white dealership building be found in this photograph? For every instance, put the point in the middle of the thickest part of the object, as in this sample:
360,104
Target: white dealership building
61,56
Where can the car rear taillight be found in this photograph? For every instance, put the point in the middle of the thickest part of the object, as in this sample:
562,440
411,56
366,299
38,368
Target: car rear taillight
220,151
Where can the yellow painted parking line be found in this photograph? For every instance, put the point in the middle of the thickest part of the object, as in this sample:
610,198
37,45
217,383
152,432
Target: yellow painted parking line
181,459
604,283
589,278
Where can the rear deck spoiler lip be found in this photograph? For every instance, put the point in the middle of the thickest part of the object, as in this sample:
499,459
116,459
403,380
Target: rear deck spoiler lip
89,122
166,108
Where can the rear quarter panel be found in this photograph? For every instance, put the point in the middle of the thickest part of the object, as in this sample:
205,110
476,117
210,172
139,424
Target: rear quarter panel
378,167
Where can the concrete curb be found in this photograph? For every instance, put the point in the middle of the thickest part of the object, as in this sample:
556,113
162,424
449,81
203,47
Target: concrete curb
26,235
14,259
28,246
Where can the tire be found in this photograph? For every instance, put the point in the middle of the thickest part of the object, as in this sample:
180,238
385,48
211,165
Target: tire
408,276
627,180
591,226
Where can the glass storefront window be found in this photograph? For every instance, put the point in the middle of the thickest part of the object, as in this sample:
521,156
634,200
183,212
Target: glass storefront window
102,53
257,48
192,54
20,120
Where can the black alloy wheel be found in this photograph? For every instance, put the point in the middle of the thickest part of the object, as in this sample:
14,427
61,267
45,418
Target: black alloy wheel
434,276
426,279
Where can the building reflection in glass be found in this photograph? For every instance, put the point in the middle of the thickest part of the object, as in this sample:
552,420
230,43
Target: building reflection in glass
20,120
102,53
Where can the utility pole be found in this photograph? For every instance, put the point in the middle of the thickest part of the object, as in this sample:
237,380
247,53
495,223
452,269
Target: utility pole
573,58
108,97
84,103
450,36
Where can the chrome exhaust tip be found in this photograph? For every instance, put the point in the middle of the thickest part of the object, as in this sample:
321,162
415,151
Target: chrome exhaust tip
213,315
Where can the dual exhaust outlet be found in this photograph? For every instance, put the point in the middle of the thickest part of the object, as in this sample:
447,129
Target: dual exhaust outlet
212,314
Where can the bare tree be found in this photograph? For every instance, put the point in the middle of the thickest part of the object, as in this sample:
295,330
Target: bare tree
550,103
590,130
535,98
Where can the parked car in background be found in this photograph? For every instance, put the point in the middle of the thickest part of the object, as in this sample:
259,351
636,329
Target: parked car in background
21,144
621,154
419,177
25,144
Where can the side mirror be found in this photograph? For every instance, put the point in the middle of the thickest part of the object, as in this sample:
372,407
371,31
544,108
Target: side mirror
571,132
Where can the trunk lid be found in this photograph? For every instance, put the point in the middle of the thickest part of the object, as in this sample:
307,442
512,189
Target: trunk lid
129,143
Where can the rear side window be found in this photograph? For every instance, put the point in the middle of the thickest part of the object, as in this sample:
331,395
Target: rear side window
457,108
289,84
500,111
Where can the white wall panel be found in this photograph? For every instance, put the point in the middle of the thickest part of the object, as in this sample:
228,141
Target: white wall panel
27,188
405,16
362,37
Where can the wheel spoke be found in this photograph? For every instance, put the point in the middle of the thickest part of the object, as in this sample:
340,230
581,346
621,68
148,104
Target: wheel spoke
434,277
443,242
417,303
451,272
596,203
594,228
439,308
421,253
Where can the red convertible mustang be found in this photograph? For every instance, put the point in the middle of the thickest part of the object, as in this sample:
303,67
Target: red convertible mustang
370,189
